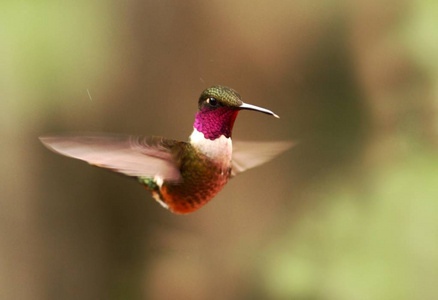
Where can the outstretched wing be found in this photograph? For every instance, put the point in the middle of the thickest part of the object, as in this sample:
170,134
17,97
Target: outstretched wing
247,155
130,155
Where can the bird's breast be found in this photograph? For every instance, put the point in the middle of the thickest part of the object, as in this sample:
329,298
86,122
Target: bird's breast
205,169
202,180
219,150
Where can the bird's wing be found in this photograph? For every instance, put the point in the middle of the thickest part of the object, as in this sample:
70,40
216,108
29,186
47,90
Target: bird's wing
130,155
247,155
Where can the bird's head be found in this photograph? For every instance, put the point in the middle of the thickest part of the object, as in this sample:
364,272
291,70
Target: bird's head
218,109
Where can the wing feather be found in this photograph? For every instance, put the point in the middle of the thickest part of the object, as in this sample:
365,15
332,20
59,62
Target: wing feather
130,155
247,155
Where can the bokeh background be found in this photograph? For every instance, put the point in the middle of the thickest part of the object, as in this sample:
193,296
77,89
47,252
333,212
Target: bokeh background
350,213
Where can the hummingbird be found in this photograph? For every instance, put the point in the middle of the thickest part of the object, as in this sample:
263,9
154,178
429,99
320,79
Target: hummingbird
182,176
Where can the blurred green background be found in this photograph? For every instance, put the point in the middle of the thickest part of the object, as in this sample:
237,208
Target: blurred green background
350,213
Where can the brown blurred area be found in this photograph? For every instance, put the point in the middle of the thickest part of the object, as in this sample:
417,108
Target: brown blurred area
350,213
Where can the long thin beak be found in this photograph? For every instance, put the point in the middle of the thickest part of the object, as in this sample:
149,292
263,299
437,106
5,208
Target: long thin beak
260,109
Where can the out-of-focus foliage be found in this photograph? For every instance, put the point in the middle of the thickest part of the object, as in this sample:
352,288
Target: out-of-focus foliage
373,241
350,213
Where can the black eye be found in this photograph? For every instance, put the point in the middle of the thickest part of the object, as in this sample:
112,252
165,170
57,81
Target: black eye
212,101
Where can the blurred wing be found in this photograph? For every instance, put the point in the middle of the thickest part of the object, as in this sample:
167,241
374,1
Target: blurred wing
130,155
247,155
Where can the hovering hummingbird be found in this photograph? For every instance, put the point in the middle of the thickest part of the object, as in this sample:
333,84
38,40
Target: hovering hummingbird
182,176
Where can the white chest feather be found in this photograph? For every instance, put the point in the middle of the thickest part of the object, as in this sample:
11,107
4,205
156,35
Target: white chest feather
219,149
